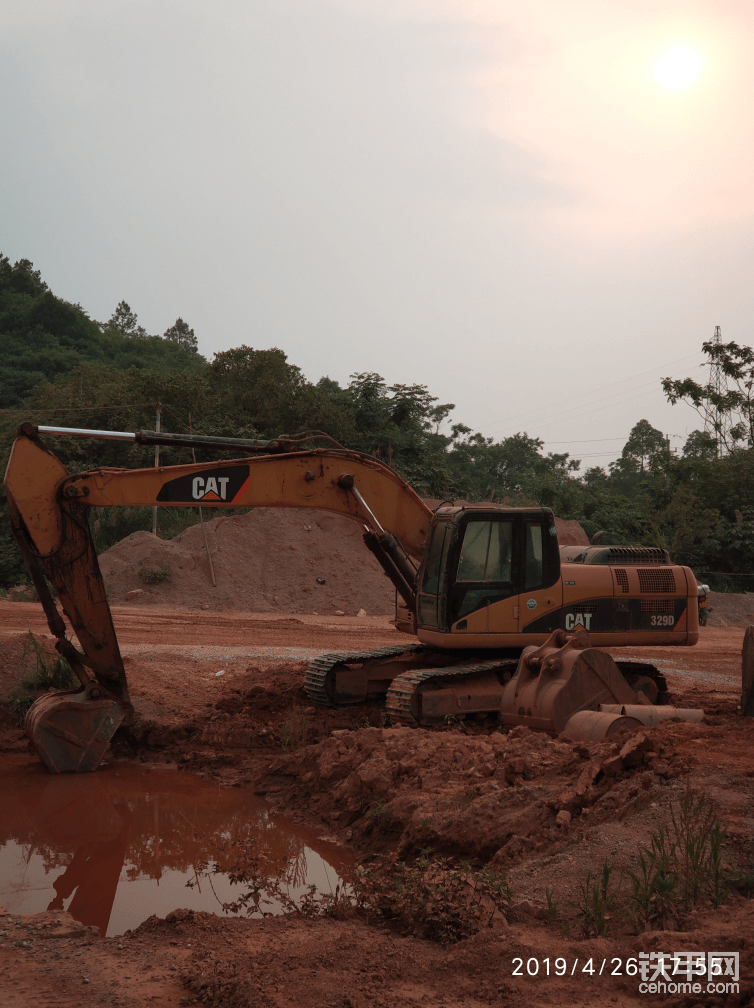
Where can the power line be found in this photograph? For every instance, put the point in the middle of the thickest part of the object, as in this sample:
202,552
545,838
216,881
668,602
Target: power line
608,400
601,388
587,441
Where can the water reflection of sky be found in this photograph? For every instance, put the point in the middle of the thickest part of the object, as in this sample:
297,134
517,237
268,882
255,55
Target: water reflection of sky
119,845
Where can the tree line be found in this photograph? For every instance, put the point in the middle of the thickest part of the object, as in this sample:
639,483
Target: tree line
61,368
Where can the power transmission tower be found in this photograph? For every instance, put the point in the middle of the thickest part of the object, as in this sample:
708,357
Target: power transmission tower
717,423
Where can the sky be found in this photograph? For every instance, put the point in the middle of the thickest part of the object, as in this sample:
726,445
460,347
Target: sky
498,200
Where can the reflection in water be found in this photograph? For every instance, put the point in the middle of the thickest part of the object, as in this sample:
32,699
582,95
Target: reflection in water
120,844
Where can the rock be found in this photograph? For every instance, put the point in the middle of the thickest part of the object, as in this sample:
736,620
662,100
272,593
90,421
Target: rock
568,800
563,818
339,612
613,765
661,768
130,596
633,751
361,612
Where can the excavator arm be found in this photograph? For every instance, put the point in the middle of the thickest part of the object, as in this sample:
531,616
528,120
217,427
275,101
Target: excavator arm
49,517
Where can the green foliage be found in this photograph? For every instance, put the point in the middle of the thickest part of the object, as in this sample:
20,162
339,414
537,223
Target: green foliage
294,730
44,337
154,575
597,904
729,411
680,869
439,898
44,674
181,334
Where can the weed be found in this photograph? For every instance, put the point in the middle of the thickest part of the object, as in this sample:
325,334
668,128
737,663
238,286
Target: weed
597,904
245,866
453,722
441,900
154,575
434,897
680,869
696,852
46,674
427,822
294,730
383,721
743,882
553,915
19,593
376,810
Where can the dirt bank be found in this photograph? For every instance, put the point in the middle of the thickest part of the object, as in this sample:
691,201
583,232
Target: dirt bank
543,811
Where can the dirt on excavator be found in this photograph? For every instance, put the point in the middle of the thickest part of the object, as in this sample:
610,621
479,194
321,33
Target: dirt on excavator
544,811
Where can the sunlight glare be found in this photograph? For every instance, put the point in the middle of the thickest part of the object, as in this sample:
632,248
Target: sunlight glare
678,67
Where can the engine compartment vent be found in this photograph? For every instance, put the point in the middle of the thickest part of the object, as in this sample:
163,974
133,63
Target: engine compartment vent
655,580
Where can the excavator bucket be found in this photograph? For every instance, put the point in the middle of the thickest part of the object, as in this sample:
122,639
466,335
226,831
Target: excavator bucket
70,731
568,686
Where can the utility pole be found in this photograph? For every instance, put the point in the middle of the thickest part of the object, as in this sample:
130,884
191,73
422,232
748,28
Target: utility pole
156,463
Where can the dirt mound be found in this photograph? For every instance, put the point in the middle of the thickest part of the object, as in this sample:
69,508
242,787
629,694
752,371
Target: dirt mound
270,560
731,610
570,533
490,796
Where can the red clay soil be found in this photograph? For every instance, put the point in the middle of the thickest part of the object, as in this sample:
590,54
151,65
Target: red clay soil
544,811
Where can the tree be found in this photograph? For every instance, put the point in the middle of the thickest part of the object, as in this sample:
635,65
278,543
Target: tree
729,411
644,442
124,322
700,445
180,333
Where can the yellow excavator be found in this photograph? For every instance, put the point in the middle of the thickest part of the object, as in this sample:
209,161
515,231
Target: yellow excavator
508,624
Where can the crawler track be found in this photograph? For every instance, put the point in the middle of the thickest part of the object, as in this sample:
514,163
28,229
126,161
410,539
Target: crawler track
633,671
404,687
320,668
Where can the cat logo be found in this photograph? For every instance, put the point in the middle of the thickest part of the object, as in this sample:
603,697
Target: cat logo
223,485
573,620
202,489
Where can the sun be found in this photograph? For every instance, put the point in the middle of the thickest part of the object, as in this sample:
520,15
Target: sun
678,67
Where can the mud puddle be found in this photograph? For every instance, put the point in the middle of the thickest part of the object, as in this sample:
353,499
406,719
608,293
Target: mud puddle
116,846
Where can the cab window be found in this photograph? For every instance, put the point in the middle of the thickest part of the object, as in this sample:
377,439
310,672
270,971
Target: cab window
435,560
533,566
485,567
486,553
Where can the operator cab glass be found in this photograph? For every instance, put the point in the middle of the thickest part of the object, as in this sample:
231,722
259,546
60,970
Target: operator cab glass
478,557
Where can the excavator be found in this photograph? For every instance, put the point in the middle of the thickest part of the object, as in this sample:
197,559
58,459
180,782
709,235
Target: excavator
507,625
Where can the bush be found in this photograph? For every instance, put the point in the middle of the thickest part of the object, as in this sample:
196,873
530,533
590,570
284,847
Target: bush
47,674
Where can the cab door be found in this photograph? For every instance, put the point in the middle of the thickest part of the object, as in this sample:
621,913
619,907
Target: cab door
539,600
485,577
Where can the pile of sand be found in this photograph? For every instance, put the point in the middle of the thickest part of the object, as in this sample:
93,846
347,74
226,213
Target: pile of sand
291,560
269,560
731,610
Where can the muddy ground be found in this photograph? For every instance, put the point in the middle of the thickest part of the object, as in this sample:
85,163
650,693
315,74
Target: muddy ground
543,811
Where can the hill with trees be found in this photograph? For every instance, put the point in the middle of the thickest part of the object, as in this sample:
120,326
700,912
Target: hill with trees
59,367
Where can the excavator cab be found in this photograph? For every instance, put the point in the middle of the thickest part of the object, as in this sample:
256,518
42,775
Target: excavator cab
481,555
